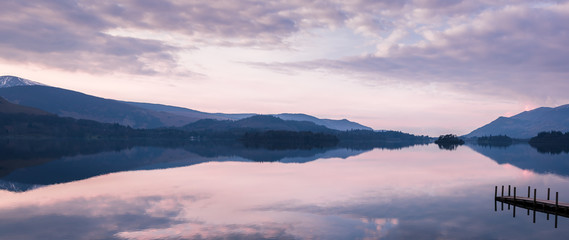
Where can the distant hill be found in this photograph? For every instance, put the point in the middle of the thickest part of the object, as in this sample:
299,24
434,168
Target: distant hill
209,129
235,116
52,126
190,114
527,124
341,125
77,105
10,108
256,122
12,81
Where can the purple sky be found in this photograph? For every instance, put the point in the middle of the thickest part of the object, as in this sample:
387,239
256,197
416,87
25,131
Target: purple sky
423,66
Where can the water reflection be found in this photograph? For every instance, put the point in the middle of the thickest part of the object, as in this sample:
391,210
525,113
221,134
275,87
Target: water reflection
536,205
526,157
28,164
413,193
560,148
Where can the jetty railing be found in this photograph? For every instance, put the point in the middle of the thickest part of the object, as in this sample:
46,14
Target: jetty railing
546,206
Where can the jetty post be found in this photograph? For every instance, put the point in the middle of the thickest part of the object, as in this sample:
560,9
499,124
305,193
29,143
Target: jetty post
501,202
534,203
514,202
528,191
556,206
509,188
548,193
548,190
528,196
547,216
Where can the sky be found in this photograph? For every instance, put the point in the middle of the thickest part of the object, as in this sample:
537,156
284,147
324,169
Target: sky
420,66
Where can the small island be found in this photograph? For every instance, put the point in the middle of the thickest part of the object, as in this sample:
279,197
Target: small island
449,139
449,142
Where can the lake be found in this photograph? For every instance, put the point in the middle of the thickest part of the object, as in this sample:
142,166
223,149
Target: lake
121,191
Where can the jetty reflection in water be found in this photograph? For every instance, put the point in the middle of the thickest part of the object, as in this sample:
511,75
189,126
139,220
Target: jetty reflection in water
547,206
419,192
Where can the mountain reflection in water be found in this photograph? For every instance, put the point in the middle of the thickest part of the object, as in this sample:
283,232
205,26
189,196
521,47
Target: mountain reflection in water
527,157
419,192
28,164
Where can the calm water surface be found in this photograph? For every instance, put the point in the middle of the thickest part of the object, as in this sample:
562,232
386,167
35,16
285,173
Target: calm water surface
420,192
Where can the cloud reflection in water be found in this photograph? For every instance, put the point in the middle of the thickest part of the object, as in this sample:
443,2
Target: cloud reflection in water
419,193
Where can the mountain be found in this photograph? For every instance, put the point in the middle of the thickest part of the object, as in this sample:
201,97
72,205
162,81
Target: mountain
12,81
67,103
527,124
73,104
10,108
341,125
190,114
235,116
256,122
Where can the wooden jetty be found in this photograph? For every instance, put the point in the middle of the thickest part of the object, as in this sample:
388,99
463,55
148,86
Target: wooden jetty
547,206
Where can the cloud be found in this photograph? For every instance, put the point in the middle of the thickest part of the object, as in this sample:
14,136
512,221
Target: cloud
144,217
73,220
485,44
76,35
516,50
67,35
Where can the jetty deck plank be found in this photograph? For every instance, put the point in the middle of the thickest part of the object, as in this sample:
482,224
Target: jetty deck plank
530,200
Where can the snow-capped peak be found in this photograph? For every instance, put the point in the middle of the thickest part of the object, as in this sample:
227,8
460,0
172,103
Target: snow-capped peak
11,81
